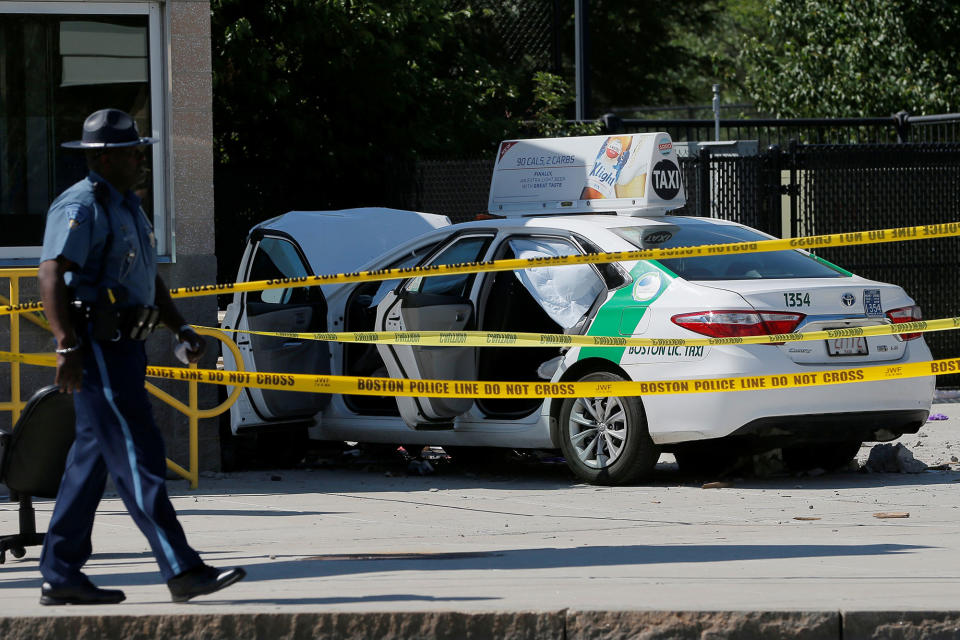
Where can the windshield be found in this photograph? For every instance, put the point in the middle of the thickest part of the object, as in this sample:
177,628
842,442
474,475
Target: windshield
749,266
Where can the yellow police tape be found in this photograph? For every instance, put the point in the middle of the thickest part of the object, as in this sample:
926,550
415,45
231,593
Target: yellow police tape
521,339
809,242
898,234
526,389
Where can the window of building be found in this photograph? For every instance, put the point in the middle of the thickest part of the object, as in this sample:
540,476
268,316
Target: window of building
59,62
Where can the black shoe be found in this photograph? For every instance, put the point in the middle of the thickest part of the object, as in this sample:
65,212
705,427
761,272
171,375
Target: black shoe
87,593
201,580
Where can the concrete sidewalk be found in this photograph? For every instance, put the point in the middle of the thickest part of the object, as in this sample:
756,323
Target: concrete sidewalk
528,552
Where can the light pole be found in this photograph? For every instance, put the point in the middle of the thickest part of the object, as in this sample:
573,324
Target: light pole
582,57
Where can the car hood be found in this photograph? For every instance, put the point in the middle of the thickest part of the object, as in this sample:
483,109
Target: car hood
344,240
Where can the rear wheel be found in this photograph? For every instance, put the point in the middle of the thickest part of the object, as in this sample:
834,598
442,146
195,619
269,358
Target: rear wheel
605,439
822,455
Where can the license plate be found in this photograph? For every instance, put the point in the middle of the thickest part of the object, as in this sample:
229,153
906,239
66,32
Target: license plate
847,347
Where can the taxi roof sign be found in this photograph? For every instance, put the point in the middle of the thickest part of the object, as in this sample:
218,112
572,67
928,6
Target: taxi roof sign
631,174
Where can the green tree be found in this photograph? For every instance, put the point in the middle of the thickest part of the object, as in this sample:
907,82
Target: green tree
848,58
552,99
648,52
716,45
322,104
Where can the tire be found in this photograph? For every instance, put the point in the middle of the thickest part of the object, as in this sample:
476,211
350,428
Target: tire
18,552
620,420
823,455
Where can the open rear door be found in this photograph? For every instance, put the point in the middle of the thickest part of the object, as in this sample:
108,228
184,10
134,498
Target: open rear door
440,303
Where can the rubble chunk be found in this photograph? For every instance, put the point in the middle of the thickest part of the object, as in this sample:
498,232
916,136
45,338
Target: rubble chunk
889,458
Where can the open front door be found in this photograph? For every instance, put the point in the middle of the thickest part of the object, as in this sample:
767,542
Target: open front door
440,303
298,309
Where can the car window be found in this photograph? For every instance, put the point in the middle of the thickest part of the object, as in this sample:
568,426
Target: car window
408,260
277,258
688,233
566,292
467,249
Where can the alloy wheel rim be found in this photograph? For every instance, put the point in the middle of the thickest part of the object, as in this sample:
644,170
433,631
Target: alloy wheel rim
598,430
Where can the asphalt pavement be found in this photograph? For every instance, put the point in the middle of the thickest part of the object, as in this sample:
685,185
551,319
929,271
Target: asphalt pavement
359,547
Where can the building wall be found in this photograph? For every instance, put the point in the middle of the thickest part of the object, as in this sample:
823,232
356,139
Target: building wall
188,166
190,124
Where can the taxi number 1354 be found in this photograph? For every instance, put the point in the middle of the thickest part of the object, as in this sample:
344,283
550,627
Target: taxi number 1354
796,299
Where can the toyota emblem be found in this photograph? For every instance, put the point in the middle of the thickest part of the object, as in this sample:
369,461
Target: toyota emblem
848,299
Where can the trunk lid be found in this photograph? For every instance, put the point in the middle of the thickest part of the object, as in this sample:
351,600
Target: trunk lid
828,304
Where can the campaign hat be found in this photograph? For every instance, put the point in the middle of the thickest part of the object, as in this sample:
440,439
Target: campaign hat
108,128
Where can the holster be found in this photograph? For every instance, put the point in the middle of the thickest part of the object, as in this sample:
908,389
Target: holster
109,323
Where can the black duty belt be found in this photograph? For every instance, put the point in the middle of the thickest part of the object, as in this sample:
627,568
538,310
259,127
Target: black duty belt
113,324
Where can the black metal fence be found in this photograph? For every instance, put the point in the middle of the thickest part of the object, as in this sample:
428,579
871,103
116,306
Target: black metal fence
800,189
853,188
900,127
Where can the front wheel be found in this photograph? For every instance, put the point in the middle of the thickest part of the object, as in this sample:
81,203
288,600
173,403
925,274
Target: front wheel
605,439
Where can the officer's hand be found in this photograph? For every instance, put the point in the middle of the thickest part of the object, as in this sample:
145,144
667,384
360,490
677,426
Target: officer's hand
69,372
196,345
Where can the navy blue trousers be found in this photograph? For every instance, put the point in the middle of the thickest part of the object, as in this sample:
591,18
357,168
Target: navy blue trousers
116,433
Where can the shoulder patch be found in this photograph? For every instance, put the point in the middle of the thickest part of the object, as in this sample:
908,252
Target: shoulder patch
77,214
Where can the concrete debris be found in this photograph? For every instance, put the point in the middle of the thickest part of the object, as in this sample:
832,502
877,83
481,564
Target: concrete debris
889,458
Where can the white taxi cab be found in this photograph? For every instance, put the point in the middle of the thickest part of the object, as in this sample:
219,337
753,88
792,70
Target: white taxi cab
562,197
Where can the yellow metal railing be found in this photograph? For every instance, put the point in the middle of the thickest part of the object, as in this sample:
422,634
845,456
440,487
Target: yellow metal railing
15,405
192,473
194,414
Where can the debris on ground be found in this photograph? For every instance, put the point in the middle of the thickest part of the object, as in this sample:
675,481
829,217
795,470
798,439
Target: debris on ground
806,517
434,453
892,514
946,395
419,467
717,485
889,458
937,416
768,463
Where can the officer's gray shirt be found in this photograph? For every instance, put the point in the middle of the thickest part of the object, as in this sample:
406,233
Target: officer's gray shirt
77,229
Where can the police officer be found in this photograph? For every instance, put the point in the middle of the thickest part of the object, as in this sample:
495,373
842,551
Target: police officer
101,294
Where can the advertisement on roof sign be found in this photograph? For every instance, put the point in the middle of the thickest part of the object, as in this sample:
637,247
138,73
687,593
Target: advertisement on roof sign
551,175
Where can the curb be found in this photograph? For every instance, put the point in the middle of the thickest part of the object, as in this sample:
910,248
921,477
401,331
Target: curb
562,624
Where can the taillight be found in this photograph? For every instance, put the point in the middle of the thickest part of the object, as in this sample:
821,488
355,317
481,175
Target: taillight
906,314
728,324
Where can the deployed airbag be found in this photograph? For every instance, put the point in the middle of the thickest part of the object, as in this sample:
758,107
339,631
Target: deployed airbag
566,292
